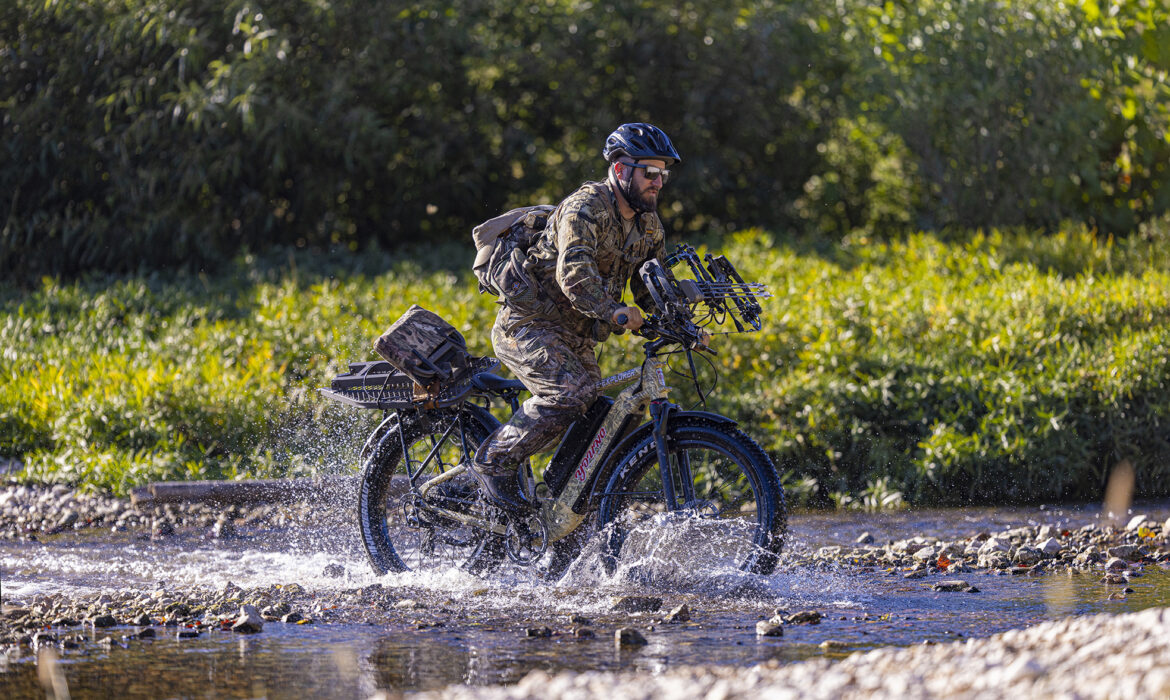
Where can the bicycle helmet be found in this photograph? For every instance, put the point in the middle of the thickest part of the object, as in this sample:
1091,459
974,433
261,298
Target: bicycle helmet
640,142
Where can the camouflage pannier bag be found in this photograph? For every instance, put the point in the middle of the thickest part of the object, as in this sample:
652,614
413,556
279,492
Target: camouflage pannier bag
500,247
425,348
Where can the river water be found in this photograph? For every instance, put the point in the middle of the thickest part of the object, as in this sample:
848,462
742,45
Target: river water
474,630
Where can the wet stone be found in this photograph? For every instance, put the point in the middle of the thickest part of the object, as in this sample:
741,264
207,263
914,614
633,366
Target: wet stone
334,571
954,586
538,632
583,633
682,613
768,628
1116,564
579,620
864,538
804,617
102,621
187,634
143,620
629,637
1128,552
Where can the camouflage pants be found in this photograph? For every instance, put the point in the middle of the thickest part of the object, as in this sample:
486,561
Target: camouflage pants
559,368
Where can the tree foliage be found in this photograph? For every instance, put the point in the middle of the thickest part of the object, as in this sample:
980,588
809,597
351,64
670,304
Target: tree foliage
141,133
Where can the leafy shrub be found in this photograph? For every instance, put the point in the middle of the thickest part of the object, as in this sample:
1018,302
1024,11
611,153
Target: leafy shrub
923,370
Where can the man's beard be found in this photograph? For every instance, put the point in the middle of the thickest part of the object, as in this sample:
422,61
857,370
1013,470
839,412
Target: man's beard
643,201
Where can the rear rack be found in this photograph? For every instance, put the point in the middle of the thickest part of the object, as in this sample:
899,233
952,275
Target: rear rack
378,385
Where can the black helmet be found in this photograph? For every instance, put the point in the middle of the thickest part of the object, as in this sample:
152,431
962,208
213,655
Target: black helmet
640,141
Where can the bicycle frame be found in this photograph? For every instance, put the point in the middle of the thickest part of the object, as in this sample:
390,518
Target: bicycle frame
565,511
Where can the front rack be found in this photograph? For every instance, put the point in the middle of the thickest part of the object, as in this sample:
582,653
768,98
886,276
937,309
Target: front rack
378,385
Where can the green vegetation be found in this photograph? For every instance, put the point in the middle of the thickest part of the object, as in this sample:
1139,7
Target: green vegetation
998,366
137,134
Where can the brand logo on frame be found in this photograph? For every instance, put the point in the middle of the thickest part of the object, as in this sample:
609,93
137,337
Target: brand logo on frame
579,475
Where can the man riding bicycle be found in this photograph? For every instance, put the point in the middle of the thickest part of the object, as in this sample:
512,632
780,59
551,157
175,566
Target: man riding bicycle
593,244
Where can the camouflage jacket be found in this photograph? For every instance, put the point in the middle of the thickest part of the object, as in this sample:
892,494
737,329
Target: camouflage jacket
584,258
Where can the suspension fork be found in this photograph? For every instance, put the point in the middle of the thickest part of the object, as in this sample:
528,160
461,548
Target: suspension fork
660,410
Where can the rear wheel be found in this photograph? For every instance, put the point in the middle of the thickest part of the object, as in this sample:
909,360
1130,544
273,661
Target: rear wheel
727,507
400,530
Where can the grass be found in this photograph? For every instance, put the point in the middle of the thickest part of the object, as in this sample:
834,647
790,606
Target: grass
964,368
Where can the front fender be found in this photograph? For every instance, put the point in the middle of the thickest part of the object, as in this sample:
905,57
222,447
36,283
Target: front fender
605,475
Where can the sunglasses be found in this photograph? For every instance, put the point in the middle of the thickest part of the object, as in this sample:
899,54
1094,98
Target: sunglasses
652,172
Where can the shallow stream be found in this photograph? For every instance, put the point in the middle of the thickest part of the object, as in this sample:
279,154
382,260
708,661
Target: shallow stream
475,630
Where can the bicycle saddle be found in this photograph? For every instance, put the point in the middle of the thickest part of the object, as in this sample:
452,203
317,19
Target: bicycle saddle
487,381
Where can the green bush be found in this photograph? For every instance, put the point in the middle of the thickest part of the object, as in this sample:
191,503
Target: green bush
139,135
979,369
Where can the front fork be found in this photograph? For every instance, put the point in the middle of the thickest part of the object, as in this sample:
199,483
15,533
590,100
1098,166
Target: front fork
660,410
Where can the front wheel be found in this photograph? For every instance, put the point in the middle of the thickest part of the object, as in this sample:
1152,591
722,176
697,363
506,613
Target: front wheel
727,507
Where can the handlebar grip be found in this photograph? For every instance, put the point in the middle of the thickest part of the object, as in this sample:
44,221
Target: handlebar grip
622,319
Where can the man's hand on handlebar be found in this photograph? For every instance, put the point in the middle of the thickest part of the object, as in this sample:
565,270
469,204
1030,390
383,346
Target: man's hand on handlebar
628,317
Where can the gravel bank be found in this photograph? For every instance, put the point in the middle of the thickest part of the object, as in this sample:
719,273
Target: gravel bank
1098,656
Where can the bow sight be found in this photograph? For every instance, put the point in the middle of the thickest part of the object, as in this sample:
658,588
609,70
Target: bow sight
716,291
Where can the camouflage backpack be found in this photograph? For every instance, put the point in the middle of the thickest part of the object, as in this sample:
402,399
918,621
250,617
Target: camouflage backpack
424,347
501,245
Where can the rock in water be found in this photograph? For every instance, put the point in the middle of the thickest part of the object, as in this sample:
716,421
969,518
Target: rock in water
629,637
805,617
249,620
769,628
680,614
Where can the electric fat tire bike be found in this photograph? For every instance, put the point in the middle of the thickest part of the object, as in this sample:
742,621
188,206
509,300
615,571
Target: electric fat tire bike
615,475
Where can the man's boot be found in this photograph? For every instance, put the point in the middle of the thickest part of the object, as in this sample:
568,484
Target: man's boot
499,482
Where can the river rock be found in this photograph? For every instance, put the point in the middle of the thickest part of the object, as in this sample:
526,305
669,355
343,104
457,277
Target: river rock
1045,532
583,633
68,518
1050,547
769,628
102,621
833,645
682,613
954,586
292,618
1116,564
636,603
1027,556
1136,522
576,619
927,553
541,631
994,560
1128,552
249,620
804,617
864,538
992,545
628,637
